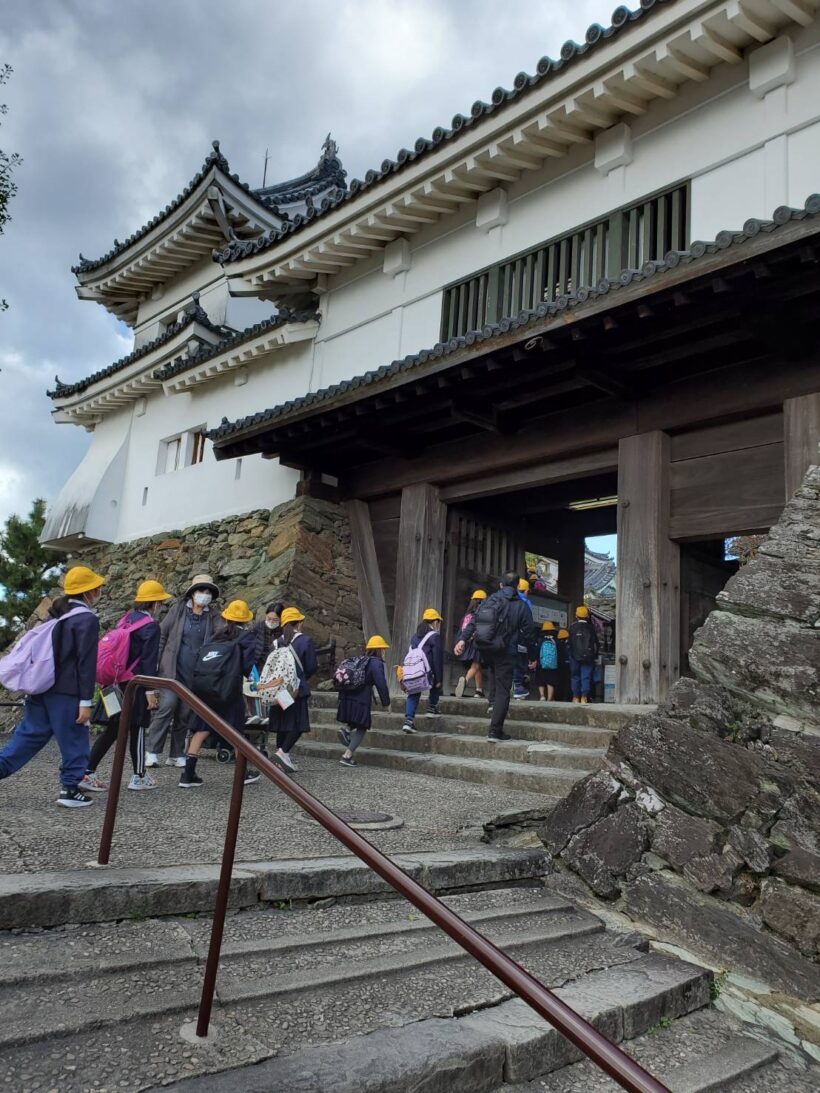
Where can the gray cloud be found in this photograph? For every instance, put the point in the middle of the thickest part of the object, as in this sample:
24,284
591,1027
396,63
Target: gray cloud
113,107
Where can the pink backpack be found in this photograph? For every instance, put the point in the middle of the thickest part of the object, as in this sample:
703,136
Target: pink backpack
113,651
29,667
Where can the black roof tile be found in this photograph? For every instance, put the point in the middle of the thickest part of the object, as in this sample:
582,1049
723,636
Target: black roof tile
548,67
781,216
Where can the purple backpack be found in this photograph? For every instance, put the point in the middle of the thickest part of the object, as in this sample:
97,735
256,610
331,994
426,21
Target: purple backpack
29,664
416,673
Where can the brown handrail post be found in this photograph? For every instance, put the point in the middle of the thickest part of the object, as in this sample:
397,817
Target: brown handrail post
222,896
116,775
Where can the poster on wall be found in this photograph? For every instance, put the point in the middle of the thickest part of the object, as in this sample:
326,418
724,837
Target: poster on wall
542,573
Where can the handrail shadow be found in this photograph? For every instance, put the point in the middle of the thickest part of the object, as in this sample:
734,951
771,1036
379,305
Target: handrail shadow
608,1056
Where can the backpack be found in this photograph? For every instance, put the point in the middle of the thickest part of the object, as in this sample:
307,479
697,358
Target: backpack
582,643
281,664
217,673
113,651
416,672
351,674
492,624
29,664
548,656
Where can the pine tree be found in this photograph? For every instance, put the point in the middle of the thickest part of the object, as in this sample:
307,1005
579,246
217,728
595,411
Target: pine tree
8,162
27,571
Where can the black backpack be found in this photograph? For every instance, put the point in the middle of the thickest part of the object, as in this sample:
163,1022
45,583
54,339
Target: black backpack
217,673
582,643
351,674
492,624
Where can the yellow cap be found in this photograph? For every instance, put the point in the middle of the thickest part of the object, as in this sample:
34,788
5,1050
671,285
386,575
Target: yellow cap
151,592
431,615
548,625
563,633
582,612
523,586
237,611
81,579
291,614
377,642
479,594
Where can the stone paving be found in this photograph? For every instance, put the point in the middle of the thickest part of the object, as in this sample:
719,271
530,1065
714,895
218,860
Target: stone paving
170,826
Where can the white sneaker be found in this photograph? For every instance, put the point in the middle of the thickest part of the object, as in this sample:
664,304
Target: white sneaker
91,783
141,783
285,759
178,762
462,683
151,759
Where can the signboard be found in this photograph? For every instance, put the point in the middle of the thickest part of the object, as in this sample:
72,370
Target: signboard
609,683
549,609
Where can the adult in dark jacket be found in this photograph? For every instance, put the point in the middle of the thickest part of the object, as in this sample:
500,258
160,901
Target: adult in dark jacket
516,628
293,722
269,629
237,615
427,636
354,706
190,624
143,654
583,652
64,710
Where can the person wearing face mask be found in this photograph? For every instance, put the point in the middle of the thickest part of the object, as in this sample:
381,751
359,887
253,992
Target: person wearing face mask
64,710
189,624
143,654
269,628
237,663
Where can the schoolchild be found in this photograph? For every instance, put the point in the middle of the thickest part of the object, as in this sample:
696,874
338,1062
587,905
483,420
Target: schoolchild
427,638
564,691
63,711
237,615
294,721
141,660
521,687
547,673
354,705
470,654
583,652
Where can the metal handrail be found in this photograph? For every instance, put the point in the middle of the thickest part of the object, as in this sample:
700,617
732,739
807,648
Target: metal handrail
610,1058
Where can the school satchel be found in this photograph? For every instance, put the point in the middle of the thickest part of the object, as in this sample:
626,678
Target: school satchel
492,624
113,651
351,674
281,664
29,666
417,676
548,657
582,643
217,671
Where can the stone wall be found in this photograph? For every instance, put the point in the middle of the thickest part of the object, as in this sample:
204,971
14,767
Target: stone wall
298,552
706,822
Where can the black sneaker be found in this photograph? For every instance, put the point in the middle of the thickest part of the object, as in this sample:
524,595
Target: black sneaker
72,798
344,736
348,762
408,727
433,711
498,736
251,776
189,781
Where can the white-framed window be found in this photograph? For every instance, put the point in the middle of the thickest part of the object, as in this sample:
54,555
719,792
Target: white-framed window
182,450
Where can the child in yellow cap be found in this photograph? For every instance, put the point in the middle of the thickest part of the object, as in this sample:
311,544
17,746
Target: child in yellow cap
423,668
355,679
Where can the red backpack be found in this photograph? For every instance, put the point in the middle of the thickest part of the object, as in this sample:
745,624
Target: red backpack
113,650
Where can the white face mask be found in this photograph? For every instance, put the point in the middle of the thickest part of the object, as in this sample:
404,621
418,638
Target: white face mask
202,599
271,625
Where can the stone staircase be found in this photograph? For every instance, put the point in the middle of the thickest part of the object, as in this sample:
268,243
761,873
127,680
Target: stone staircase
357,998
553,745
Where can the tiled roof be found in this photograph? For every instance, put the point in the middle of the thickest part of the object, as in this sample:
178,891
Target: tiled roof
193,314
781,216
599,573
327,177
546,68
206,352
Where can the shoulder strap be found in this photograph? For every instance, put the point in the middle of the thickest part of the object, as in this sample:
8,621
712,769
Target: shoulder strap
295,656
423,641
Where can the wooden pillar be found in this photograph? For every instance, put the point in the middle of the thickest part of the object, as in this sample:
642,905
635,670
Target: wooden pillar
801,435
648,632
368,574
420,566
569,553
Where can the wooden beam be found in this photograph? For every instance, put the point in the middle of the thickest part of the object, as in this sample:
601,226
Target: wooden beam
540,474
801,420
648,644
368,574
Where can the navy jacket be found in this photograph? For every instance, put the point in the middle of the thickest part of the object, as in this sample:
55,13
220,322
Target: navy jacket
306,652
520,627
143,646
74,642
434,651
354,706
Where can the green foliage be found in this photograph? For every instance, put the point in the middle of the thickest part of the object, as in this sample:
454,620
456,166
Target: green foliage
717,984
27,571
664,1023
8,162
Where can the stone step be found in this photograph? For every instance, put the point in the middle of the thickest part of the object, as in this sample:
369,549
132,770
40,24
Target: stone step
536,732
429,740
109,894
554,782
596,715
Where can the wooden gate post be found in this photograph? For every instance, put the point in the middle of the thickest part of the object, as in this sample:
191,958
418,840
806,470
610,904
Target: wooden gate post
420,565
368,574
801,434
648,631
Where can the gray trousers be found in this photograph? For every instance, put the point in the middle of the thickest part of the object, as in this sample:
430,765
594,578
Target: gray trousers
356,737
169,716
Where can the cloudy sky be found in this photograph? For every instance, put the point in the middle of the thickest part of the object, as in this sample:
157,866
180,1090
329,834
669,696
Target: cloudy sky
113,107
